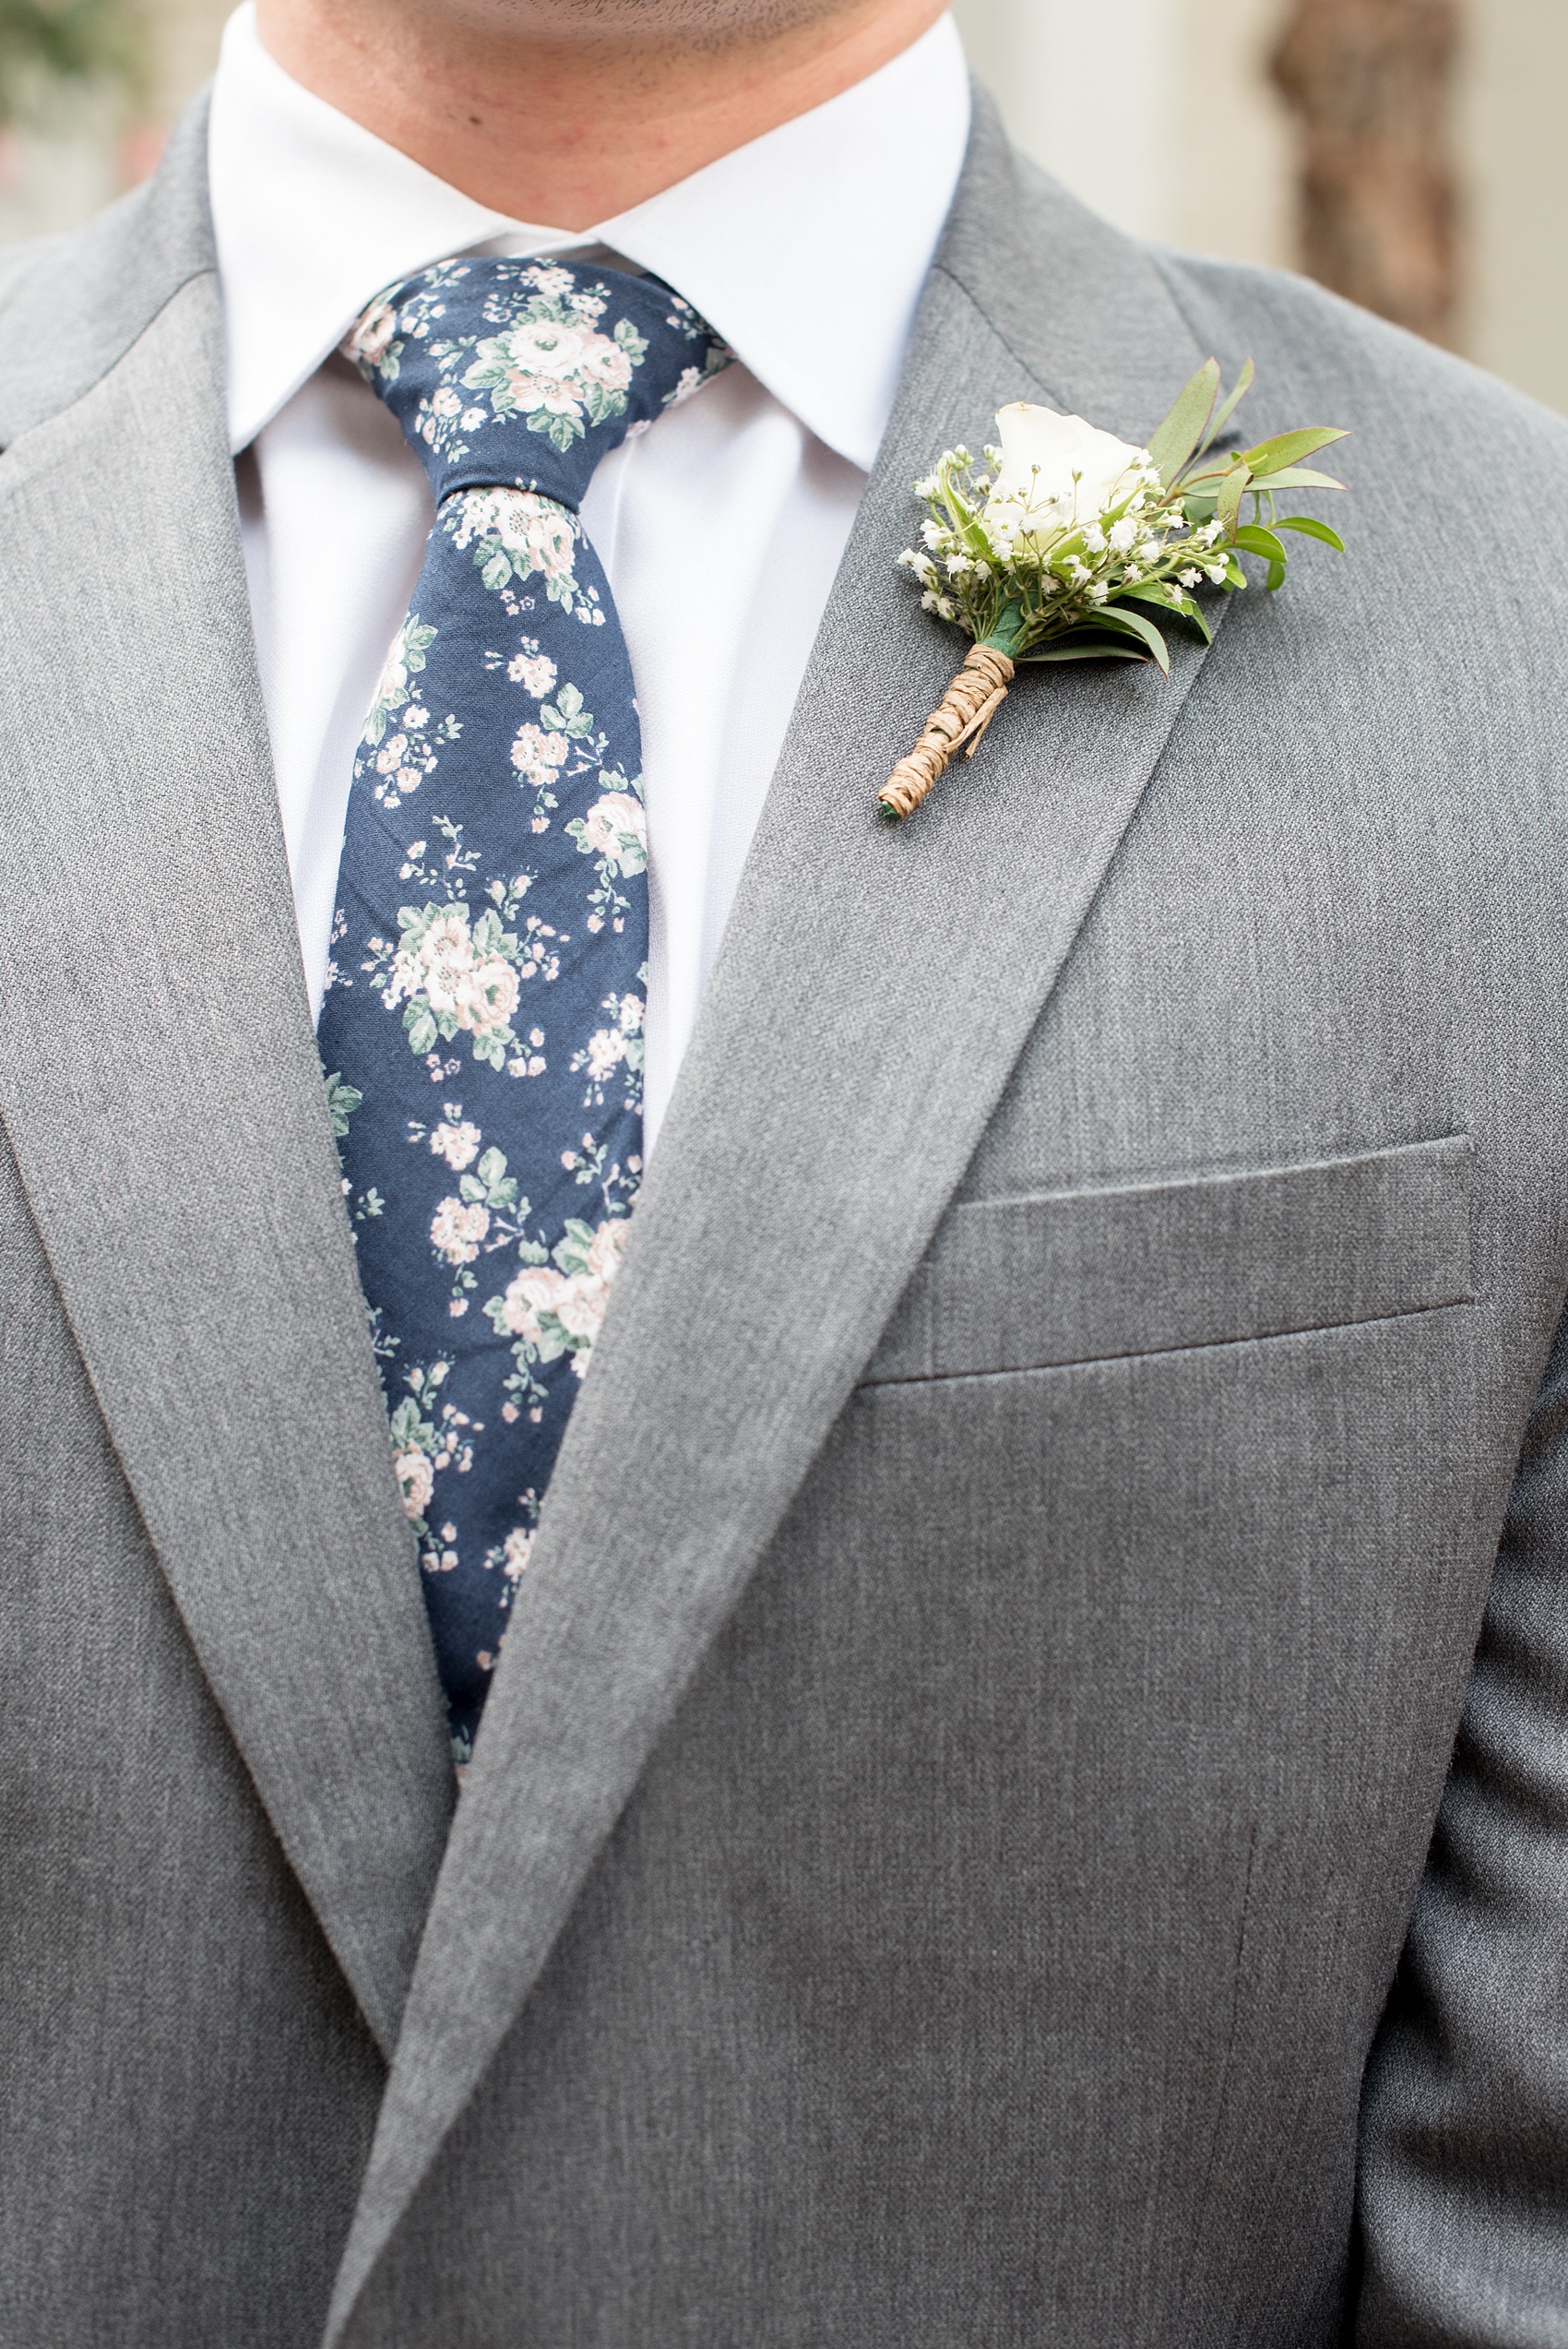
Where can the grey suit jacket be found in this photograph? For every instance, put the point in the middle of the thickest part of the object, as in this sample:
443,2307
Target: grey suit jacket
993,1699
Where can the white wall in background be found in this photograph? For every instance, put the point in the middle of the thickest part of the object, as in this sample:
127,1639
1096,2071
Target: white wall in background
1158,113
1513,85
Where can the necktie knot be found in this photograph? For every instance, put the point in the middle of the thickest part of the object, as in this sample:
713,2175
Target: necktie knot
518,374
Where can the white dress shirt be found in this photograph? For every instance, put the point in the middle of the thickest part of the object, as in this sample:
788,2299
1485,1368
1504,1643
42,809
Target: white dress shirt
720,529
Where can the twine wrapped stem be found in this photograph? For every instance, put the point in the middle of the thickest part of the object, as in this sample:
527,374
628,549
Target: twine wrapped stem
966,708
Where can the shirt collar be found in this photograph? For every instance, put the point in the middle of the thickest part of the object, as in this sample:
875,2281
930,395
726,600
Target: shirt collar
806,249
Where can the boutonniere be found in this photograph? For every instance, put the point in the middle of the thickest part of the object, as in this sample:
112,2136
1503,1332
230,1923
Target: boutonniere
1068,541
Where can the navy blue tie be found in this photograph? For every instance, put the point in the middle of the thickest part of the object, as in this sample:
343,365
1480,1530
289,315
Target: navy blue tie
483,1025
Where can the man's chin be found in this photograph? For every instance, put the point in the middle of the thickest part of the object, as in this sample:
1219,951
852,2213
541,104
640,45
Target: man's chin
702,23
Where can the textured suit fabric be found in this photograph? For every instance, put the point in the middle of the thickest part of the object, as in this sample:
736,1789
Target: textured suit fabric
143,1888
969,1744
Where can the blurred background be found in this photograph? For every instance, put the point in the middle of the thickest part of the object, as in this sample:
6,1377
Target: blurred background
1408,152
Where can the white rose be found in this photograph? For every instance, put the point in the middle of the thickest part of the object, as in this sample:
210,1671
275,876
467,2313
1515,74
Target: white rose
1055,471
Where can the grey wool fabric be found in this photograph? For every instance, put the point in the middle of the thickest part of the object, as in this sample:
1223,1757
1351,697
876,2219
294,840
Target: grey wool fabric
992,1826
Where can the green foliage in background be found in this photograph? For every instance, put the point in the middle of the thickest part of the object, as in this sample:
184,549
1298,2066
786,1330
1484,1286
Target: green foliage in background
45,43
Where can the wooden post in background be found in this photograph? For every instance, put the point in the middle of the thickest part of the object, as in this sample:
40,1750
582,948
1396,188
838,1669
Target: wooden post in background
1370,84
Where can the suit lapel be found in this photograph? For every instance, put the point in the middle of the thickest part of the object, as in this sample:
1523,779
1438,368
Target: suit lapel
874,990
163,1098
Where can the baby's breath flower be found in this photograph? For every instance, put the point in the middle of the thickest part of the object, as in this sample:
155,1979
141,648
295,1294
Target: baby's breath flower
1064,521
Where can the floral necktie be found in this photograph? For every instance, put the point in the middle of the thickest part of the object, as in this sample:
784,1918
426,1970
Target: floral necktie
483,1025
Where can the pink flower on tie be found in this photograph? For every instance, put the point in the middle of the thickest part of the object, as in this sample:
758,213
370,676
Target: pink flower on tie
371,333
458,1144
416,1480
455,1230
537,756
550,365
614,828
534,533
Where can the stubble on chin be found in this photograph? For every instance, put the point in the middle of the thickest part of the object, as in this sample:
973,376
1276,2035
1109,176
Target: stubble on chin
695,24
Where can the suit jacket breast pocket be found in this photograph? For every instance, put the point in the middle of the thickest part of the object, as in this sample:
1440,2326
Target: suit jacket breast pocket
1088,1275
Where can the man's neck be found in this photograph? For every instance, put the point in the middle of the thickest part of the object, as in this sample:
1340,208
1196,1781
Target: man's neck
565,127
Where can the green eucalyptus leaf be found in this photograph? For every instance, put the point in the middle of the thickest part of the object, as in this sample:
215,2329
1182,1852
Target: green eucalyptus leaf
1275,578
1173,600
1253,540
1073,648
1228,505
1301,477
1009,628
1116,617
1173,442
1244,382
1289,448
1309,528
